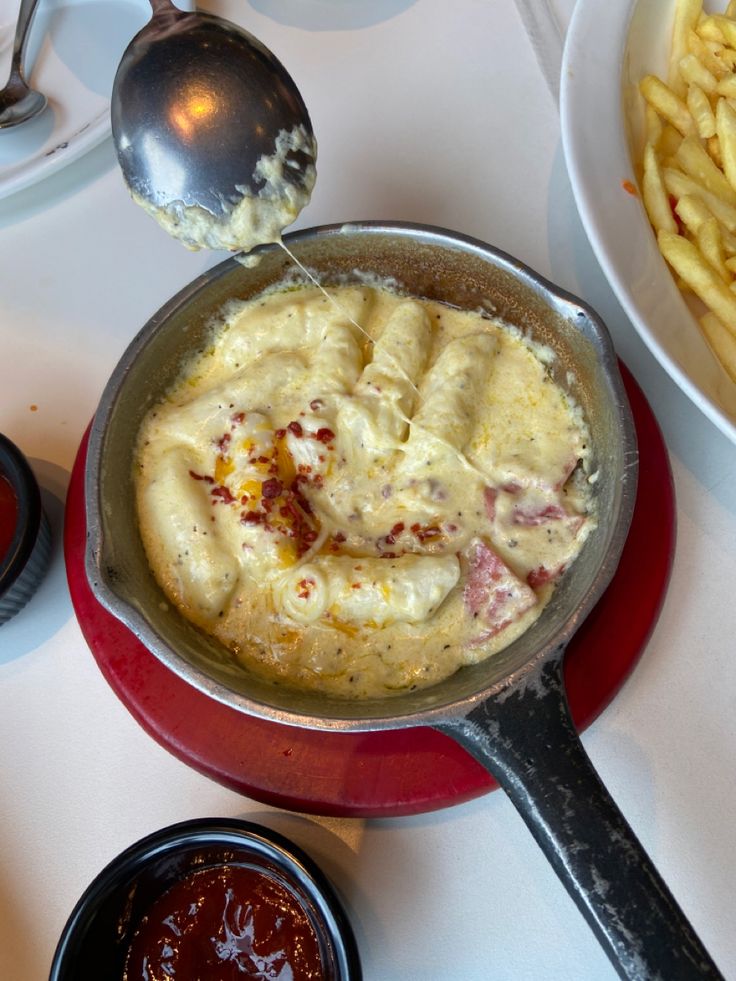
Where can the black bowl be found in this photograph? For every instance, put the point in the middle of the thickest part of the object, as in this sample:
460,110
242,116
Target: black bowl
97,936
26,559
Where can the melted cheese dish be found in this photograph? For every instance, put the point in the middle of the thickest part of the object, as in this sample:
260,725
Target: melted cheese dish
362,493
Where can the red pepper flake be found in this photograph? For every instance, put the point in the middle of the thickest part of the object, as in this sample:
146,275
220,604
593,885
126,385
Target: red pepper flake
316,404
630,188
280,433
223,494
252,517
355,585
223,442
428,533
205,477
397,528
324,435
340,537
295,428
264,459
272,487
238,417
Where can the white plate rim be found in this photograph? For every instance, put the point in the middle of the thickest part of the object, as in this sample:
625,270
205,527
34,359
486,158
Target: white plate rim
586,72
89,134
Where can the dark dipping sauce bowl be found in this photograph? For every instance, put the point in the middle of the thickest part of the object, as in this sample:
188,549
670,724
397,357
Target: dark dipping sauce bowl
131,905
25,537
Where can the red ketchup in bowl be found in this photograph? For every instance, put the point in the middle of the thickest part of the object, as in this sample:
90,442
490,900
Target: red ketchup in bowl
224,922
8,515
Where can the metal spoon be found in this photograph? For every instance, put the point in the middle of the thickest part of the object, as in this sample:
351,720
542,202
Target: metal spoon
196,103
19,102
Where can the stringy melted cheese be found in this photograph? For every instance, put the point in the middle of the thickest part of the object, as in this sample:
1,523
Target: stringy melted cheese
359,494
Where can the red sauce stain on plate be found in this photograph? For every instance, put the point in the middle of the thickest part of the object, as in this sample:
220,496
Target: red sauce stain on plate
8,515
222,923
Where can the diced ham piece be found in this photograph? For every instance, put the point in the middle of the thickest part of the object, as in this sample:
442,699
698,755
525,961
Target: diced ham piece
539,515
539,576
490,495
532,516
569,466
493,594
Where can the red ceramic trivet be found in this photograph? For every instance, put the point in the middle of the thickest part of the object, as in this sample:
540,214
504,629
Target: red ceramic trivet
378,774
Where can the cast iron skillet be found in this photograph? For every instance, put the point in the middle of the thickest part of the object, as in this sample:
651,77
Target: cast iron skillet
510,712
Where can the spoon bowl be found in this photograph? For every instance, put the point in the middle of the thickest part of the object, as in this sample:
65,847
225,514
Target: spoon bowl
19,102
197,104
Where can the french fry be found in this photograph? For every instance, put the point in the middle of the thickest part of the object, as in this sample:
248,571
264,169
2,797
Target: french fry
721,342
692,212
669,141
655,197
708,29
679,184
687,14
654,126
694,160
713,146
728,57
711,248
693,70
700,276
709,59
664,101
726,130
726,86
699,107
727,27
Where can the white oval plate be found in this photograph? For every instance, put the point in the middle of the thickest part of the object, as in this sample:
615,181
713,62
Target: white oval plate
609,47
73,52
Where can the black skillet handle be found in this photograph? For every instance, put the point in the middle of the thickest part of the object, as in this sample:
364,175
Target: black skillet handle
527,740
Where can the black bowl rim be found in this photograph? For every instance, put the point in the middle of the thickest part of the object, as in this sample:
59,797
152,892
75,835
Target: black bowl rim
16,469
297,866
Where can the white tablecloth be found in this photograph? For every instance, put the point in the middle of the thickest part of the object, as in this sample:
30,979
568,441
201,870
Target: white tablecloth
425,111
